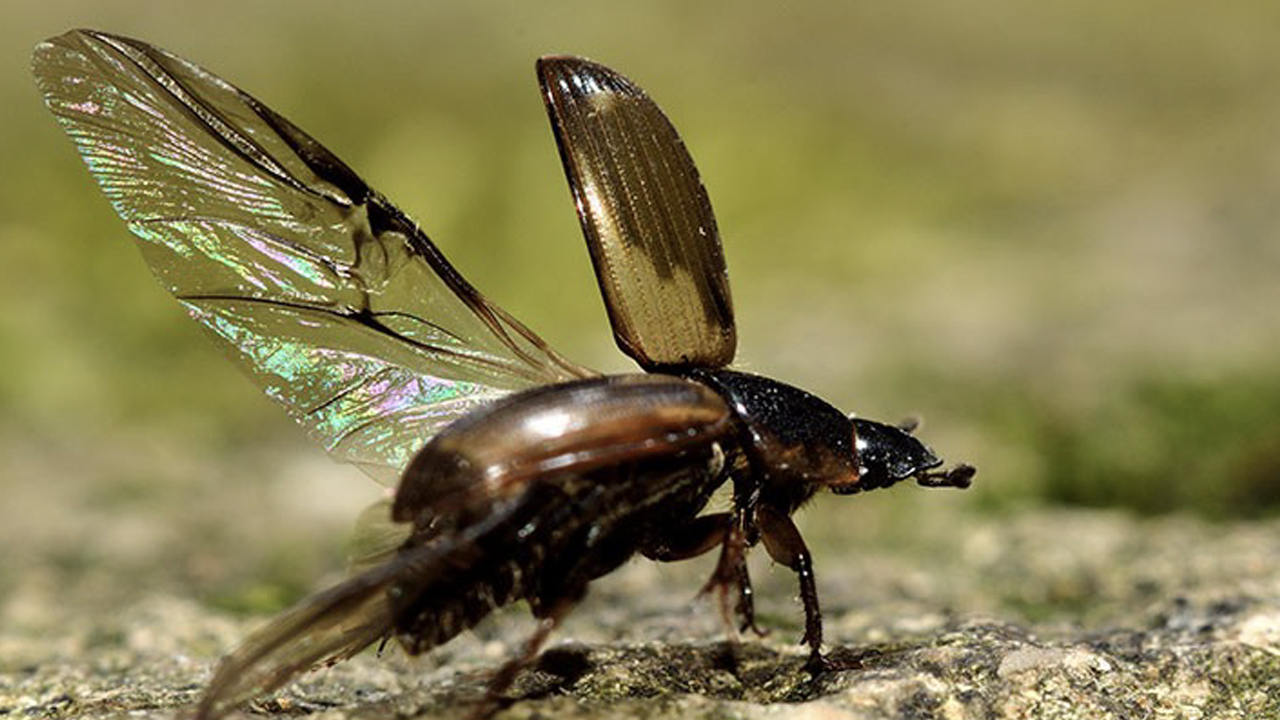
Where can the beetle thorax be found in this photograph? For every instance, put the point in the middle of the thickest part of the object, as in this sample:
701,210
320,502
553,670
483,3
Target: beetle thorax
794,441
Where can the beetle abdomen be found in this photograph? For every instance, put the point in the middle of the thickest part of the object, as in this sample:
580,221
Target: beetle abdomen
545,545
545,490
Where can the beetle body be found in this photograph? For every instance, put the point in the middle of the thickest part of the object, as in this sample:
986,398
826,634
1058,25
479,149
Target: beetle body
585,472
521,475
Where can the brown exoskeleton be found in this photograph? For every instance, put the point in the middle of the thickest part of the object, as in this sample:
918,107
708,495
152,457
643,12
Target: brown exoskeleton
522,475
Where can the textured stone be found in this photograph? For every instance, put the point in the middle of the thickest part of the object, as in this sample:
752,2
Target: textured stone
1039,615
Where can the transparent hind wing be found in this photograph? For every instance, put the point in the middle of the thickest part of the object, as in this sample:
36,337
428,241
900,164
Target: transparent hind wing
334,302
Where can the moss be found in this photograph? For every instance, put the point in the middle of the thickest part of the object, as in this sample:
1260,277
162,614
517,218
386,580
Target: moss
272,585
1170,444
1246,683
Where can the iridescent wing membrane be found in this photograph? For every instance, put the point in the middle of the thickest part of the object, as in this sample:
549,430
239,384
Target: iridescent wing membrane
335,303
646,217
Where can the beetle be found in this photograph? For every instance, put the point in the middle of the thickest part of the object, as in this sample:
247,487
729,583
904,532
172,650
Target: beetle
521,474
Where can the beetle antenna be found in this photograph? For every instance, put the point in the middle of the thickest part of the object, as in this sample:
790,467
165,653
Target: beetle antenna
960,476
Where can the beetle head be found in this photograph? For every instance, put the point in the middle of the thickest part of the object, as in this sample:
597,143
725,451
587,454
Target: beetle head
888,454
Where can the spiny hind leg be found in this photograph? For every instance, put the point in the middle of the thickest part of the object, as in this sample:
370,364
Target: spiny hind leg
505,675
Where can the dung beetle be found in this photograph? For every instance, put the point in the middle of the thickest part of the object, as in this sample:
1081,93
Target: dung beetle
522,475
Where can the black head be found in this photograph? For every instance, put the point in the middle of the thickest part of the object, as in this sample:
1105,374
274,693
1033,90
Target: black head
888,454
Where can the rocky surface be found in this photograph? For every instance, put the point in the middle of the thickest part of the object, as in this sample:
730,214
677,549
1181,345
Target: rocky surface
1042,614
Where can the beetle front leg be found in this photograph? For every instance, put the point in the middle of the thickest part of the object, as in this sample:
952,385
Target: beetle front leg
783,542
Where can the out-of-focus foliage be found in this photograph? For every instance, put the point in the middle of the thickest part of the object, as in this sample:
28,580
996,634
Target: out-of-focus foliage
1168,444
1051,230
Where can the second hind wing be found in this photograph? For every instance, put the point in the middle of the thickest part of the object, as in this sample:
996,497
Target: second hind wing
332,300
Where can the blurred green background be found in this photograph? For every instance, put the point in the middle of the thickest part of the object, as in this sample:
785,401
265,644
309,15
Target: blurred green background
1049,230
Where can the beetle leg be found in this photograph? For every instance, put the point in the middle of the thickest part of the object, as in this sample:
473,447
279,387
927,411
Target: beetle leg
731,570
732,552
697,537
745,595
691,539
506,674
743,534
746,603
783,542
